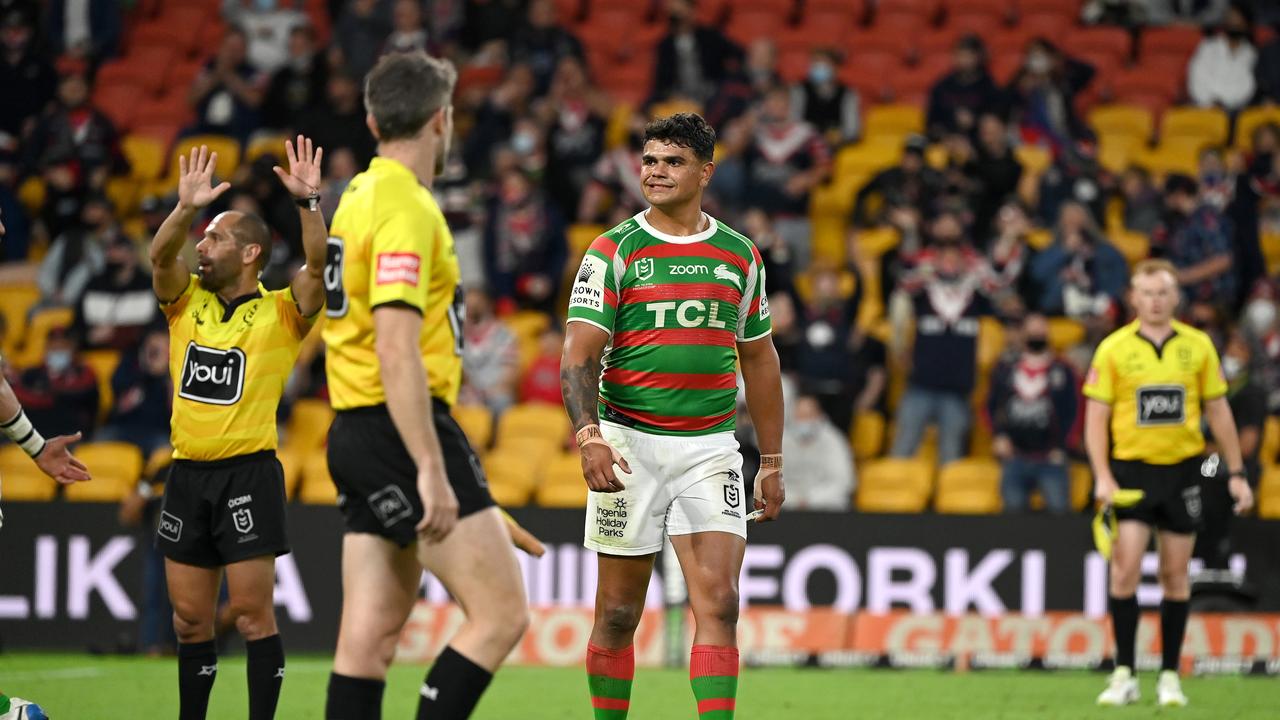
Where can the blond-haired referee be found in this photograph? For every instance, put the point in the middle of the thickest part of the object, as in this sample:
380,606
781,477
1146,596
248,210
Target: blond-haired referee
1147,387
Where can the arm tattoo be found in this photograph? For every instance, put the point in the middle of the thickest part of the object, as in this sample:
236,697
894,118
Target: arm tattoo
580,386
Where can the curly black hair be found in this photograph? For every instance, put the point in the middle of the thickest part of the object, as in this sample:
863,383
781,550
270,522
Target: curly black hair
684,130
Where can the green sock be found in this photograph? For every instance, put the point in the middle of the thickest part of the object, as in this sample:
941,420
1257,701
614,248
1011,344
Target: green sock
713,674
609,676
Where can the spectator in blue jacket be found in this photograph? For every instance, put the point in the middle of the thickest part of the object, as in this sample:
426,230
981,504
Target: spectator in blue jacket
1080,275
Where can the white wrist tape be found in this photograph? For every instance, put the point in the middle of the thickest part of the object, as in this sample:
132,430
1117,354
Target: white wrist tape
20,430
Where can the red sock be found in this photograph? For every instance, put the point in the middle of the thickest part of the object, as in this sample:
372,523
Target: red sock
609,676
713,673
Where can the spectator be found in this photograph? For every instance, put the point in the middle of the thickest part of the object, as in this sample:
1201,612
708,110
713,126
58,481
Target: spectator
360,32
525,246
227,93
945,292
267,26
408,29
75,129
692,59
64,194
299,86
1220,73
788,336
996,171
821,462
17,238
1197,238
1074,176
1032,408
1207,317
1255,203
342,168
118,304
490,356
778,265
340,122
824,103
958,98
826,353
60,396
543,44
575,138
1260,326
1009,257
495,121
1080,275
744,86
1267,70
87,30
76,256
143,396
1217,182
153,213
27,80
1142,202
488,22
1044,92
541,383
906,192
615,180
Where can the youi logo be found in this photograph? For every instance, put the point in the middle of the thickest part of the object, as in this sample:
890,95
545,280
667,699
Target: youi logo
211,375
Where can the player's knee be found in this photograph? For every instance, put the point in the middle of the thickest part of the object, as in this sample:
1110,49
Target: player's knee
191,626
619,619
255,622
721,606
1174,581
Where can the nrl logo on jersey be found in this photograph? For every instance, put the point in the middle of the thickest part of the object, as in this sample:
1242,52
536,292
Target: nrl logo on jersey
644,269
722,272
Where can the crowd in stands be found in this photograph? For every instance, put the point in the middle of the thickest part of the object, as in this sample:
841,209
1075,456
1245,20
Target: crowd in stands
947,196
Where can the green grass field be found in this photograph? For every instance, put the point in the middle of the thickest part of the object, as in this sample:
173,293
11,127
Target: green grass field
79,687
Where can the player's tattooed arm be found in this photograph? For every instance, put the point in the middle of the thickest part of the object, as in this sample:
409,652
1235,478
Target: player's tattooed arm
580,373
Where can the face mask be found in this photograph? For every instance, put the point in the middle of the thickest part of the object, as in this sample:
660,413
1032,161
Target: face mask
806,429
1039,63
265,5
1037,343
1232,366
1260,315
1237,34
523,143
821,73
57,361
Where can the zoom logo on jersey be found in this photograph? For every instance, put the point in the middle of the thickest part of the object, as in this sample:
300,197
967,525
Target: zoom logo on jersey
1162,405
689,270
212,376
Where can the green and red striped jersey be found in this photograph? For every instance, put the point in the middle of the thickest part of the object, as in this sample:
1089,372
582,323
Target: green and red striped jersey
675,309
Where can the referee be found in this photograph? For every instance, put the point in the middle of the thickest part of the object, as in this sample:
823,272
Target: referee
1146,389
232,345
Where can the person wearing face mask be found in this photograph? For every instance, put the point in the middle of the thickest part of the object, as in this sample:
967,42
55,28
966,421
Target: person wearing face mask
143,391
960,97
822,469
1220,73
524,245
117,305
74,258
268,25
298,86
1197,239
76,130
824,103
61,394
1043,95
1032,408
1259,326
496,120
615,180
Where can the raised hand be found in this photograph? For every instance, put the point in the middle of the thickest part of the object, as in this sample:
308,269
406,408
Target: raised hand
303,178
195,179
58,463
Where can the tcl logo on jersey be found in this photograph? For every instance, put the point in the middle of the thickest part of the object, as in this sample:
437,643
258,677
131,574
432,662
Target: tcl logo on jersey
213,376
1162,405
398,268
688,314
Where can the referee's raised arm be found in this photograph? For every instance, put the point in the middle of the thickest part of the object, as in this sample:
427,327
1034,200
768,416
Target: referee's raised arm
303,182
169,274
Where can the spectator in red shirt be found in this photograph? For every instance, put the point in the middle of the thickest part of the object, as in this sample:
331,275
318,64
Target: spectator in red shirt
60,396
541,383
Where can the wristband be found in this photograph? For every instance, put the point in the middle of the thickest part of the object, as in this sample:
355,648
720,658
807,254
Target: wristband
20,430
771,462
310,202
588,434
1238,474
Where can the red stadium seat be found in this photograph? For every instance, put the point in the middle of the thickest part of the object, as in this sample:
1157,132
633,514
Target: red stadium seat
938,42
1046,24
1142,81
157,33
569,12
1173,39
119,102
927,9
856,10
124,72
171,109
163,133
828,28
784,8
872,42
1031,6
978,21
749,24
156,58
903,26
1004,67
181,75
1104,63
1108,39
1006,41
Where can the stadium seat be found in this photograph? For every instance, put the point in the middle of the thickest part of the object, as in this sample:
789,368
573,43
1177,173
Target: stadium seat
21,480
1065,333
266,144
894,485
477,424
115,467
169,109
1269,446
1039,238
317,486
869,156
1126,84
1171,39
119,102
1208,124
15,302
156,57
1033,159
291,464
970,486
1103,39
867,435
562,484
1120,119
1173,155
1135,246
227,148
125,72
1251,119
308,425
31,353
1269,494
1116,151
894,121
580,238
1049,22
145,155
512,476
1270,241
547,423
991,343
1081,485
103,363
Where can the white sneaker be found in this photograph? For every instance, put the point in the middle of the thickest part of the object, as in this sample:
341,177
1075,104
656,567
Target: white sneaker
1169,690
1122,689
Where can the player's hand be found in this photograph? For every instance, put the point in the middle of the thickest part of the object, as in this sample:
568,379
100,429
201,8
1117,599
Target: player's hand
1104,489
598,459
770,493
439,504
195,179
58,463
1241,493
303,178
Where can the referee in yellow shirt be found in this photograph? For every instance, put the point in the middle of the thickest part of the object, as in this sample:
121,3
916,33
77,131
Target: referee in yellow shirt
1147,387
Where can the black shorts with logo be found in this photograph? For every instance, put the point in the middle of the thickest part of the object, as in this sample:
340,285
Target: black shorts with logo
1171,493
377,480
223,511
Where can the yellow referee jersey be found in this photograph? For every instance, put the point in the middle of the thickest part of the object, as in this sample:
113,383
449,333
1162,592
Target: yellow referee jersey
1155,392
229,366
389,245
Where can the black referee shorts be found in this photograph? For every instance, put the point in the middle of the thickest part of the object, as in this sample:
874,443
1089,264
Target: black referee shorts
1171,494
223,511
377,480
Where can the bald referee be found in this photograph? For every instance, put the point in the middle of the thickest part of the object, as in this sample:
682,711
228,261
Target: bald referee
232,345
1147,387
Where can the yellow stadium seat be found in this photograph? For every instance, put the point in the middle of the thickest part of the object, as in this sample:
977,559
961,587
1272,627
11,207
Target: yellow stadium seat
1121,120
867,435
308,424
870,156
562,484
1081,485
544,423
980,433
1033,158
1208,124
227,148
32,351
875,242
291,463
1179,154
123,194
159,459
1116,152
527,324
116,468
1270,242
317,486
835,197
1133,245
21,480
1269,494
266,145
477,423
893,121
15,302
1269,447
990,343
145,155
512,476
1039,238
804,284
32,194
103,363
894,485
969,486
580,238
1249,120
1065,333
